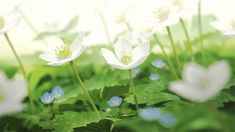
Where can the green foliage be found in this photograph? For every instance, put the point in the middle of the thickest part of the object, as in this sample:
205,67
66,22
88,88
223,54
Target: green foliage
73,112
69,120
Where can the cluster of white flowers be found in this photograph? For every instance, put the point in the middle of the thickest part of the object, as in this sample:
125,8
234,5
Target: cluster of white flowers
198,84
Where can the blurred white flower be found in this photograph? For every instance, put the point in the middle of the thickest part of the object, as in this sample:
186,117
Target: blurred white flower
200,84
226,27
138,36
126,57
167,15
12,93
62,53
9,20
121,18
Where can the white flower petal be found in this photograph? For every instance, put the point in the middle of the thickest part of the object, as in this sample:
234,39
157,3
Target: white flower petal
13,92
141,50
138,61
219,74
221,26
123,46
10,106
109,56
112,60
48,57
193,72
77,53
18,85
76,46
188,92
229,32
60,62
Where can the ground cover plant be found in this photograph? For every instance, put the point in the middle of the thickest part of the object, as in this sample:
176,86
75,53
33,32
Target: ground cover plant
187,84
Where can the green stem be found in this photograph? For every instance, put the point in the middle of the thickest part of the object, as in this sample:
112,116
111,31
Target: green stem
129,26
165,54
105,27
50,107
133,91
22,69
188,39
173,47
84,90
200,31
28,22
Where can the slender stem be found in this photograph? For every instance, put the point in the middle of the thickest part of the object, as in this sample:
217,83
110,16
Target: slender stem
22,69
28,22
85,90
50,107
133,91
200,31
129,26
173,46
105,27
165,54
188,39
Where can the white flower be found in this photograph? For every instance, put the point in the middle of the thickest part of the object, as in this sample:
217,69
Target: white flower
12,93
200,84
167,15
126,57
62,53
226,27
9,20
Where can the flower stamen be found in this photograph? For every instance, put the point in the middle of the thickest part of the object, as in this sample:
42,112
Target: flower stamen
2,22
162,13
126,59
1,97
63,51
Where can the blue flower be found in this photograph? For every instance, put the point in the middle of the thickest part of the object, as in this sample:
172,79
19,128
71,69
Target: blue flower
115,101
153,76
158,63
47,98
150,114
57,92
167,120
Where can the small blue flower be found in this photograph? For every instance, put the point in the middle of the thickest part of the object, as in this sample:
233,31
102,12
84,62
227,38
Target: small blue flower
115,101
167,120
47,98
158,63
57,92
153,76
150,114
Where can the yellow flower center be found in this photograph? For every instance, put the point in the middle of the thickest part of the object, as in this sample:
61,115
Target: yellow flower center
63,51
203,84
115,102
162,13
177,2
2,22
126,59
1,96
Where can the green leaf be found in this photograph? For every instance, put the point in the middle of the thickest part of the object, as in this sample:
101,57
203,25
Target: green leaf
151,94
69,120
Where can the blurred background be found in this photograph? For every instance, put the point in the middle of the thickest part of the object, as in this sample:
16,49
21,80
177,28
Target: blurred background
93,16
